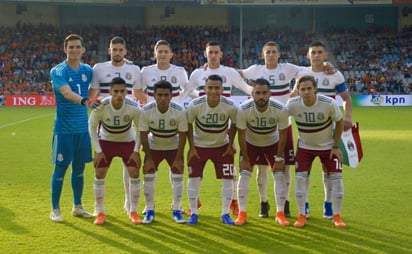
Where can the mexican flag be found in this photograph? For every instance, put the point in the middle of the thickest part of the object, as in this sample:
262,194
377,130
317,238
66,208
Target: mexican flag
351,147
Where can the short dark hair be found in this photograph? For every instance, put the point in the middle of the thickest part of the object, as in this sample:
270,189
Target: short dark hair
162,42
306,78
117,81
215,77
73,37
118,40
213,43
271,43
163,84
261,81
317,43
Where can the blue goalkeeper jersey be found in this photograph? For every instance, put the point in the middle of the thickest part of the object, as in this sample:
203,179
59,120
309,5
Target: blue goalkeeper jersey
71,118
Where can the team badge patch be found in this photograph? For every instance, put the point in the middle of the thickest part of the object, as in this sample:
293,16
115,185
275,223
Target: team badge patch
325,82
84,78
321,116
126,118
128,76
272,120
282,76
174,79
224,79
172,122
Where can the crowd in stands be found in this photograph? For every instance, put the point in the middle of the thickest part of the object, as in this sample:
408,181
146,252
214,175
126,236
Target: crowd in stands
373,61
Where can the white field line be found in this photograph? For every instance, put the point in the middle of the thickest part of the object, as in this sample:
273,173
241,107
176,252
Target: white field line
26,120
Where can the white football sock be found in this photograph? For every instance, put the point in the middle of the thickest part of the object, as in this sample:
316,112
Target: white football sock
149,188
134,193
280,190
193,190
177,186
99,194
337,192
227,191
243,188
261,181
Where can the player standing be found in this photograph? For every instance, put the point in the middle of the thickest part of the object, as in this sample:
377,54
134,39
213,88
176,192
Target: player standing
262,125
112,134
279,76
209,117
163,127
71,140
315,116
329,85
103,73
230,78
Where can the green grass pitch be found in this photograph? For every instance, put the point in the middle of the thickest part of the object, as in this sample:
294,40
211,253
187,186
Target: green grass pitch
377,204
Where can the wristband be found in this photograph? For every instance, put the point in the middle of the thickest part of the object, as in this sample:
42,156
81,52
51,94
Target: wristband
277,158
335,147
83,101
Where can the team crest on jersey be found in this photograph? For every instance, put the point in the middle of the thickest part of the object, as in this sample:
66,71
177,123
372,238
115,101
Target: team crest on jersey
128,76
224,79
172,122
173,79
126,118
222,117
84,78
60,157
282,76
321,116
325,82
272,120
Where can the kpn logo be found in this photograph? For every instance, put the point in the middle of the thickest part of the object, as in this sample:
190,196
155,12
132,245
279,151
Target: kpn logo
378,99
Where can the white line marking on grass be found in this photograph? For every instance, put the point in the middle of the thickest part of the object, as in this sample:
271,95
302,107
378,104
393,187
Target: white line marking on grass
26,120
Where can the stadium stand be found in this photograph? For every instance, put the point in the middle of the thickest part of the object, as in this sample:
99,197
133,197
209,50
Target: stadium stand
372,61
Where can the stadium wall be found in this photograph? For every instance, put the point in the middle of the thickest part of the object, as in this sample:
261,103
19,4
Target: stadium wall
311,19
155,16
316,19
33,13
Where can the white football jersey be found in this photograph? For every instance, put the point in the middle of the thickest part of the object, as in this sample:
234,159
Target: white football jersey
262,127
104,72
315,123
230,76
116,124
176,75
279,78
327,84
164,128
211,124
